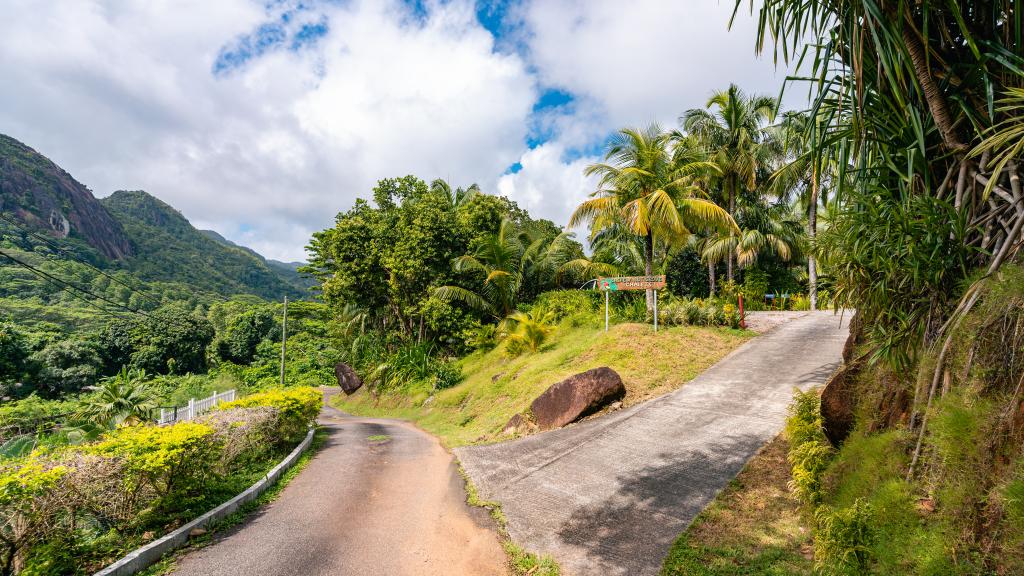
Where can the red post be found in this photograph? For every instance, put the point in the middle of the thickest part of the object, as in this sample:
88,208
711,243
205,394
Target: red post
743,321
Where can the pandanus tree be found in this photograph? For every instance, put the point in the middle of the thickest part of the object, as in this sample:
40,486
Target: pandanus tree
644,190
922,102
733,129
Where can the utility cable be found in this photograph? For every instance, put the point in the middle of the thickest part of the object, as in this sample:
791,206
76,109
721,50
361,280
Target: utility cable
53,245
54,279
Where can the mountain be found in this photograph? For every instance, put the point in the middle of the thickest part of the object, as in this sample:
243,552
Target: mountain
45,198
167,247
129,231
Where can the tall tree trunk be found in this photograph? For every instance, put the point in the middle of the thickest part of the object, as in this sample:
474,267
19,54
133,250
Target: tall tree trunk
932,94
731,192
812,232
711,278
649,269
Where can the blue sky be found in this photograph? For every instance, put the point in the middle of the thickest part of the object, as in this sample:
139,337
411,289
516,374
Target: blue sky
263,119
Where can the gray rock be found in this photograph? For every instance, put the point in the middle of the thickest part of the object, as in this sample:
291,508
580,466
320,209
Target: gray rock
347,378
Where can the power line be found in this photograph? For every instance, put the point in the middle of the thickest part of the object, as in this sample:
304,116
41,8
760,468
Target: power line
54,279
66,252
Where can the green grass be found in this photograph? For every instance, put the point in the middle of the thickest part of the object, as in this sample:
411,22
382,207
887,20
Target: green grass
753,527
522,562
167,563
496,387
378,438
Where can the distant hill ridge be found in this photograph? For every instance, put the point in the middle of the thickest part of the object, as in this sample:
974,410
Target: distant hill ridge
133,230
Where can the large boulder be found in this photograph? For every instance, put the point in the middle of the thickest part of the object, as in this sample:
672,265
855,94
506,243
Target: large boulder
576,396
347,378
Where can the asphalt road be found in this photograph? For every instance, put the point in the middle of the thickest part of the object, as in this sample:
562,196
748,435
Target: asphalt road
609,496
365,505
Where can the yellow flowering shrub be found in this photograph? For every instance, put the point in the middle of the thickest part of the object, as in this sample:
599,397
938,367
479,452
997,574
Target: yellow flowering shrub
169,459
27,506
298,408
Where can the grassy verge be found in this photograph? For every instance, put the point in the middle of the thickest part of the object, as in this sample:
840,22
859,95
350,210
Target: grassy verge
522,562
496,387
753,527
166,564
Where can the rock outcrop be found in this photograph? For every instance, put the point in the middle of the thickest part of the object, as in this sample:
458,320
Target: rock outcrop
44,197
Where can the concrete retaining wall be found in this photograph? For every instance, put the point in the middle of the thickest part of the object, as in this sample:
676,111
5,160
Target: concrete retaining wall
141,558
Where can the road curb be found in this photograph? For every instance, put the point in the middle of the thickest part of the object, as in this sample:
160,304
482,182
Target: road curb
142,557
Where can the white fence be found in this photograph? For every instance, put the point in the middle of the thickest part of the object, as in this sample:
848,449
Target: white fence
194,408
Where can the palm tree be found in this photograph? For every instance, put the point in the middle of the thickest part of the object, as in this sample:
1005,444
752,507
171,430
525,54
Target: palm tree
736,140
457,197
125,398
802,176
643,190
498,260
764,229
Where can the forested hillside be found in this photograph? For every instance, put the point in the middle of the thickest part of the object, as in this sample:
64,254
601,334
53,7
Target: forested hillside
168,248
45,212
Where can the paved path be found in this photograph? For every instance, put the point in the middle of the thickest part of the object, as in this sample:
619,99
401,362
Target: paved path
609,496
372,507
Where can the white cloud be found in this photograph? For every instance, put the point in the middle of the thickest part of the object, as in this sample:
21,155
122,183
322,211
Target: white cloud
124,97
122,94
547,185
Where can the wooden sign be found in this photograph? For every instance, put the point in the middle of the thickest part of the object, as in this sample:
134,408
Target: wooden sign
631,283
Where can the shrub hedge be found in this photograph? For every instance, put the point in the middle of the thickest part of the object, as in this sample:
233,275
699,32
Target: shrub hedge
71,509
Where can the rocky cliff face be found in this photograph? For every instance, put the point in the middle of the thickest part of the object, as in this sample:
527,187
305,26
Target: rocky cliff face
44,197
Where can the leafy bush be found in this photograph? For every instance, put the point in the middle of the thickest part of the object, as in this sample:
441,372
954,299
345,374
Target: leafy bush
697,312
243,433
564,303
24,509
843,540
483,337
64,510
446,375
298,408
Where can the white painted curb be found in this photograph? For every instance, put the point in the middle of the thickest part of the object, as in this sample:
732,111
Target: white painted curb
141,558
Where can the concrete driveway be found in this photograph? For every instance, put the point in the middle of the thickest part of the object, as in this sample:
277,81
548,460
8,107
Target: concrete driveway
609,496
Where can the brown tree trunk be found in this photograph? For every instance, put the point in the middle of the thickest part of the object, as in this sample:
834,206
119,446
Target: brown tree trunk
932,95
812,232
732,210
711,279
649,269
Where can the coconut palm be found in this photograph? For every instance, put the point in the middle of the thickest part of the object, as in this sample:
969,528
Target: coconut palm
457,197
515,262
765,229
736,139
125,398
804,178
644,190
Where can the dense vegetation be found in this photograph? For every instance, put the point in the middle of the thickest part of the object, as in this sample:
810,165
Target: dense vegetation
71,510
913,134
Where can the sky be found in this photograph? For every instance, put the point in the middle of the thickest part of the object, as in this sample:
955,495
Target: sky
263,119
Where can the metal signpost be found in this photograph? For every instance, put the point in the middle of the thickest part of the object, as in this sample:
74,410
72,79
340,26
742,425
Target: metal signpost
614,284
